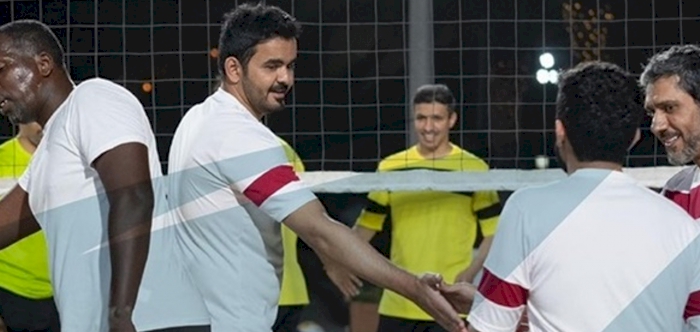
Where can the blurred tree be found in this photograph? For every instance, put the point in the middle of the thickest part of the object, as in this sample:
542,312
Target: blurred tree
588,38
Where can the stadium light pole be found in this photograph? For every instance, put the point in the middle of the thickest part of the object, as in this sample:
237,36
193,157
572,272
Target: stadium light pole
546,74
420,54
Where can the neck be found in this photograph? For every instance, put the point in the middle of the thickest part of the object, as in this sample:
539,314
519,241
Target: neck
57,92
27,140
438,152
574,166
236,90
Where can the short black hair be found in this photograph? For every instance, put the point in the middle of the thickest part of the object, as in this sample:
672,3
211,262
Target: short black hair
250,24
33,37
682,61
600,106
435,93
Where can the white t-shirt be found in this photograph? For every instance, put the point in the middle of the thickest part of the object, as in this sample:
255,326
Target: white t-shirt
593,252
222,158
67,197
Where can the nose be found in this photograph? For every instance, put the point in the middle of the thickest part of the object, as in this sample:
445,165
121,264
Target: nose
659,123
429,124
285,75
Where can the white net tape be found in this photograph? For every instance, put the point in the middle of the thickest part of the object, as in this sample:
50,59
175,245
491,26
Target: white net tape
501,180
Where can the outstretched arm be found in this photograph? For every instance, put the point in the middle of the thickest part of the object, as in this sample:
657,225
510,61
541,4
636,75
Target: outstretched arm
124,171
16,218
348,283
337,242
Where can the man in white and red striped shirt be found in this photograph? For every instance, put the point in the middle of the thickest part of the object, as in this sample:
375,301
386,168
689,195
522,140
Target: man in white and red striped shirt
672,82
596,251
226,168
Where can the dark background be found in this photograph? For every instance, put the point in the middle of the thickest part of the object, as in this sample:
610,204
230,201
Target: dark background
347,110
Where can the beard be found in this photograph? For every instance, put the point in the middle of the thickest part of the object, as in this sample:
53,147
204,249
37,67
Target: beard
18,116
258,97
689,151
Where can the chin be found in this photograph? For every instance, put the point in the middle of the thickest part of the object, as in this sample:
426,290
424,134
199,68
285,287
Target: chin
276,108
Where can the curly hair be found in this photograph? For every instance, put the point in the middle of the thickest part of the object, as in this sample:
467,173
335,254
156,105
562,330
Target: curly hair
600,105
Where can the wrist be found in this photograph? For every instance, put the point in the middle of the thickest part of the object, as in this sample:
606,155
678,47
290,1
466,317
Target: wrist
413,287
120,312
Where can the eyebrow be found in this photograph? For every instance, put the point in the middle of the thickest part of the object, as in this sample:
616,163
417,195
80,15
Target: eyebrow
277,61
660,104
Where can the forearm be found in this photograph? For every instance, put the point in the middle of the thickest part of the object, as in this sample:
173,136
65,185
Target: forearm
354,253
16,219
14,231
129,227
484,248
364,233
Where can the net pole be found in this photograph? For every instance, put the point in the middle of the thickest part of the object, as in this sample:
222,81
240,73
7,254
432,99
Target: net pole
420,53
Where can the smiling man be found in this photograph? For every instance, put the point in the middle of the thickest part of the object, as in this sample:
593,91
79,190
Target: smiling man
89,182
223,157
431,230
672,83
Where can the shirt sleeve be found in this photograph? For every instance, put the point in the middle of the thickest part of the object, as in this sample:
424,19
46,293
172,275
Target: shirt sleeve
373,215
23,181
106,115
487,207
253,162
503,290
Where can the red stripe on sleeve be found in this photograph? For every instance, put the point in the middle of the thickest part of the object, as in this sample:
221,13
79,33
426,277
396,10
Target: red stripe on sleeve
502,292
269,183
692,307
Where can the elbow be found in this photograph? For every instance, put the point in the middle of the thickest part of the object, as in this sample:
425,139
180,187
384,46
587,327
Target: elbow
140,202
135,204
321,237
318,239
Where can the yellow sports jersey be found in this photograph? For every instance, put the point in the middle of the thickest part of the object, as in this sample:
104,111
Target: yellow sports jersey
431,231
24,266
293,290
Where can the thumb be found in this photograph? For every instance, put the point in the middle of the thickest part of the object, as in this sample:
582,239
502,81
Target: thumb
434,280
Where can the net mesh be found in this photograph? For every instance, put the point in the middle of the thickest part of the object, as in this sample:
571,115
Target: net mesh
348,109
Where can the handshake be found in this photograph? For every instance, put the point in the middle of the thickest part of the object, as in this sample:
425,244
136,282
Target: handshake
460,295
443,301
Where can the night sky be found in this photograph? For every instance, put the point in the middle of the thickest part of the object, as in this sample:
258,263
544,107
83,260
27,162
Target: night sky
347,109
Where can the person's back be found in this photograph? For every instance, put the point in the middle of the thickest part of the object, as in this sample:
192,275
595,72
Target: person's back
603,253
596,251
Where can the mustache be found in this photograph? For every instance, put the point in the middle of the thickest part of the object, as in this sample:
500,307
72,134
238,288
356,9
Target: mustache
280,88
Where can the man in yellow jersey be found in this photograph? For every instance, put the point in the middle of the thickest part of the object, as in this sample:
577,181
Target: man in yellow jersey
26,302
431,231
293,294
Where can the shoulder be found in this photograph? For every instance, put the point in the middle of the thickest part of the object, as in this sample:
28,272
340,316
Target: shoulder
681,181
8,145
8,151
539,197
471,161
99,85
395,161
102,93
653,200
